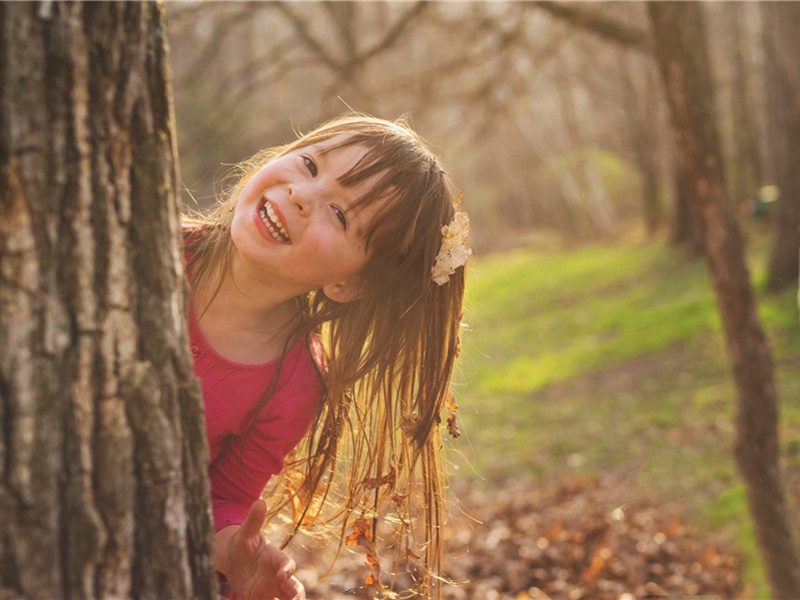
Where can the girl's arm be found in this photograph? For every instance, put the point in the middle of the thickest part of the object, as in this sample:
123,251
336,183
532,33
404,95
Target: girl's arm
255,568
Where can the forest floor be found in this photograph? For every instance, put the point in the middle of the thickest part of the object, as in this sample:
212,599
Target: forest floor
597,418
518,543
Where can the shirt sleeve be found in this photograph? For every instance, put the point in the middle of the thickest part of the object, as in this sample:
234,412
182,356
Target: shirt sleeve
246,464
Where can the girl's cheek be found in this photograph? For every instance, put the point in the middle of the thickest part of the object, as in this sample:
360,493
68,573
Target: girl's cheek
323,248
316,243
260,181
236,230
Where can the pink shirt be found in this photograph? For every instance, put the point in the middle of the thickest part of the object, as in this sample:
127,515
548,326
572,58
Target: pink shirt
242,462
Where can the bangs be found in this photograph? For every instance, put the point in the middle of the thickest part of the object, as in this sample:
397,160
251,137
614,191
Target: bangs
403,173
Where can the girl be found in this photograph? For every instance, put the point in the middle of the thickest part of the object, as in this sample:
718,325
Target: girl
326,302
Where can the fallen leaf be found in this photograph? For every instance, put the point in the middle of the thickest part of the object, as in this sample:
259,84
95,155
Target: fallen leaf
452,426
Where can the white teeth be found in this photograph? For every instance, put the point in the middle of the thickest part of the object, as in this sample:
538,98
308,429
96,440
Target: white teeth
273,224
275,219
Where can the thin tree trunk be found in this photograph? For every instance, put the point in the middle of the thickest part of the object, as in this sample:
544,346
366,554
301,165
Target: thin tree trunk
589,188
103,486
642,136
783,47
679,32
747,172
685,228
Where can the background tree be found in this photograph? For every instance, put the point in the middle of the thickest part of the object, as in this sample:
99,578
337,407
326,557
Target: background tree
486,83
745,173
783,49
103,486
599,21
641,103
679,33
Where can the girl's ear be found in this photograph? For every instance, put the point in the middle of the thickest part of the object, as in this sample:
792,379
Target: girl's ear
343,292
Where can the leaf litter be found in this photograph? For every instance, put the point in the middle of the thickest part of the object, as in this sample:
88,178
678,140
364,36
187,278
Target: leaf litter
575,541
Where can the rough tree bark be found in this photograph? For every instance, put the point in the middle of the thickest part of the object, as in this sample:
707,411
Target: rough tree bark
783,51
103,486
679,32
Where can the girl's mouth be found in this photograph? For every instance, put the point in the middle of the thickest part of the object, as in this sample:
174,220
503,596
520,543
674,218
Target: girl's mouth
273,222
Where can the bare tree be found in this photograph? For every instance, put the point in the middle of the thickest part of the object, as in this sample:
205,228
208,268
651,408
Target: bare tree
589,190
679,32
641,105
783,46
593,18
346,56
103,485
235,61
746,176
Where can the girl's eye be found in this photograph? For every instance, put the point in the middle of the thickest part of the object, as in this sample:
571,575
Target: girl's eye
341,216
310,165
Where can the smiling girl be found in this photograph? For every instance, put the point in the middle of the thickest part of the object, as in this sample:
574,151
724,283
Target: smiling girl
326,303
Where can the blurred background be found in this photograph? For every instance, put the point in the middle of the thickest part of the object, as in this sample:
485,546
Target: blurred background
596,407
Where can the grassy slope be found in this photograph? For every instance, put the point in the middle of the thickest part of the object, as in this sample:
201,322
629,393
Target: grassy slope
609,361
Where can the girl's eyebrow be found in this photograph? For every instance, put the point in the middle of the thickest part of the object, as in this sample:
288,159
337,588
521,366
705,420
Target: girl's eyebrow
312,149
320,152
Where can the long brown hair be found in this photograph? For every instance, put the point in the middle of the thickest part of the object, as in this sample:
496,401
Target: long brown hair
374,450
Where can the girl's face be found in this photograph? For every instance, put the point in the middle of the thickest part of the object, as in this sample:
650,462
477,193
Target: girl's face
293,222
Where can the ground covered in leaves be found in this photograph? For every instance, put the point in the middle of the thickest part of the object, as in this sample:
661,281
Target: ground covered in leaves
575,541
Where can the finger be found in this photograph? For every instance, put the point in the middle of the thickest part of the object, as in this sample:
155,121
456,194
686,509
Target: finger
293,589
283,564
254,520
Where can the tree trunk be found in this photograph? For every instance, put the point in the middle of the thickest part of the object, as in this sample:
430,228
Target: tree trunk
642,135
103,485
682,55
746,175
589,189
685,228
783,51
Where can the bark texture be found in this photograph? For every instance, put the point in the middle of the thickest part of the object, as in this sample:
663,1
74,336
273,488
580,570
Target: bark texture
103,486
679,33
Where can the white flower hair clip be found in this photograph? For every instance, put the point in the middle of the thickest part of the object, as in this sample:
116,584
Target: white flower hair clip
453,253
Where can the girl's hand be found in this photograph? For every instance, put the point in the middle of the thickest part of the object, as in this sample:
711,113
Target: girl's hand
255,568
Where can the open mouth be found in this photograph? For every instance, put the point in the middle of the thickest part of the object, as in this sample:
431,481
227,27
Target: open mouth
273,223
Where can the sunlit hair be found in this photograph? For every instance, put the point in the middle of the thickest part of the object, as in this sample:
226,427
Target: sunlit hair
374,451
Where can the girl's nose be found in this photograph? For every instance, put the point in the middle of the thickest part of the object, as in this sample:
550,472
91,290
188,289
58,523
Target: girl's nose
298,202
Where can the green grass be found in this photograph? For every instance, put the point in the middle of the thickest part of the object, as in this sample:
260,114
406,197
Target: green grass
610,361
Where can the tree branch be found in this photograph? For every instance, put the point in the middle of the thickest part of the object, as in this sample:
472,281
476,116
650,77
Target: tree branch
394,33
212,48
593,20
302,29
